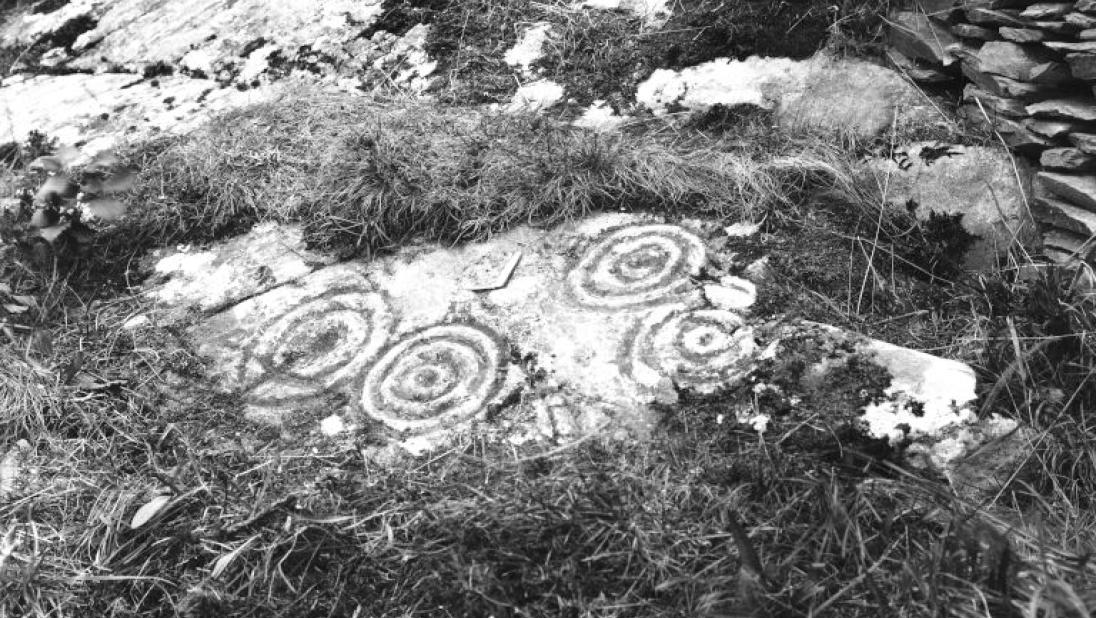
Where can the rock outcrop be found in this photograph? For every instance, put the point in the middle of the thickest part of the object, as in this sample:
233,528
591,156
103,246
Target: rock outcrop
980,183
851,97
1030,72
217,38
544,334
127,69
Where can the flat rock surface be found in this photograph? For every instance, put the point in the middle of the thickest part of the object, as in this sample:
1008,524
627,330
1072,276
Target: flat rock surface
109,107
586,328
209,280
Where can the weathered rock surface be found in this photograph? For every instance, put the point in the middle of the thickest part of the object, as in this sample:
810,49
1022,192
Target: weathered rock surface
856,98
1067,159
28,28
1066,46
926,395
1028,64
918,36
978,183
1022,35
970,31
1066,246
1082,66
755,81
819,93
1047,10
210,280
529,47
1085,141
996,104
138,33
1053,129
1014,131
999,85
535,96
1078,189
918,71
1070,109
600,321
994,454
990,17
1058,213
109,107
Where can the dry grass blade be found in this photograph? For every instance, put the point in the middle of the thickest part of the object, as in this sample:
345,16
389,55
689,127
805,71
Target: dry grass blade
225,561
148,510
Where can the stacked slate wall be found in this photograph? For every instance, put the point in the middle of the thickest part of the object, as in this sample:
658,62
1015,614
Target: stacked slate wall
1029,70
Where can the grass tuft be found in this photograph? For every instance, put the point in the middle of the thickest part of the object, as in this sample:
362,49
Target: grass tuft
365,177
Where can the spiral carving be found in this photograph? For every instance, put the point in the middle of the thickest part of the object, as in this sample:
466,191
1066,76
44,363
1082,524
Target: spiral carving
636,266
436,377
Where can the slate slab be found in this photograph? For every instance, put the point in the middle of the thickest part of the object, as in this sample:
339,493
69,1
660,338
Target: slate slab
1079,189
1067,159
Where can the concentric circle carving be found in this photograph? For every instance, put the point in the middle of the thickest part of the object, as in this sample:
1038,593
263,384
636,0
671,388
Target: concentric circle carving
436,377
321,343
636,266
701,350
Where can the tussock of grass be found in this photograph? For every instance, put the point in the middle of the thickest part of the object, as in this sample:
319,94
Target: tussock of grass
367,177
23,402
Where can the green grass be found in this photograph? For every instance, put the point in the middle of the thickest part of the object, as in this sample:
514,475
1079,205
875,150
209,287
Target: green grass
704,519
